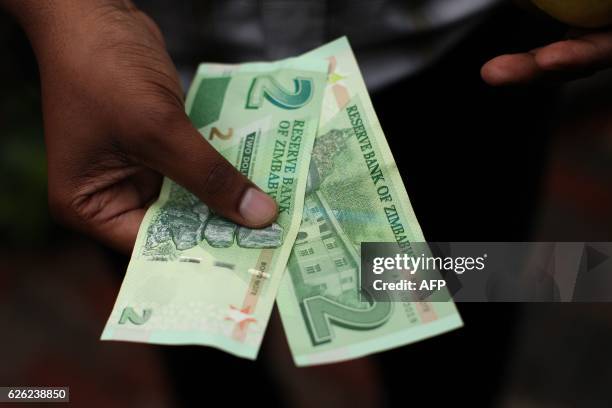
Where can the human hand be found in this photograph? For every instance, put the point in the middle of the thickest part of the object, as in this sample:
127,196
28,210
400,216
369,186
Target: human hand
115,122
583,54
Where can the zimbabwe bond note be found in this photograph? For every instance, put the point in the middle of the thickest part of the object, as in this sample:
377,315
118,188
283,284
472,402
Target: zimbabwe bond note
196,278
354,194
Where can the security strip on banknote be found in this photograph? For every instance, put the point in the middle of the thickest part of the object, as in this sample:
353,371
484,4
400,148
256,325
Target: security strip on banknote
194,277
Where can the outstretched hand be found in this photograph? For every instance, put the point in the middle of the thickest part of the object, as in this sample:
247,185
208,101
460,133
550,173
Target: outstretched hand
583,54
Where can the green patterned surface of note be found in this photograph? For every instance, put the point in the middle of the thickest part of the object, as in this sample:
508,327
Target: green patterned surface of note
355,194
194,277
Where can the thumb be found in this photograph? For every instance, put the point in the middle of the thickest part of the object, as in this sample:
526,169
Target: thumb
188,159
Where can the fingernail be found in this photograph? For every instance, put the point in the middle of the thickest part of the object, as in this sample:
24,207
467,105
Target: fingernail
257,208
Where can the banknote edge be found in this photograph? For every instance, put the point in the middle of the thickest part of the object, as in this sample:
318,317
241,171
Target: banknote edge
404,337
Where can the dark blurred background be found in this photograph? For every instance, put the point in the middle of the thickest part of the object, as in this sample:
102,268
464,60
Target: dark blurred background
482,164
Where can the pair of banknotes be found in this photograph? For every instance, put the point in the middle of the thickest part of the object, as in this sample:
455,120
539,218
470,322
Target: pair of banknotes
304,130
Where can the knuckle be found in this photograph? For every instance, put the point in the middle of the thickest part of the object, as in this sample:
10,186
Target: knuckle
75,211
155,125
167,116
150,23
220,178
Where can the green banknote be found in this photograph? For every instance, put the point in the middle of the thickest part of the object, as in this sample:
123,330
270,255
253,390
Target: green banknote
196,278
354,194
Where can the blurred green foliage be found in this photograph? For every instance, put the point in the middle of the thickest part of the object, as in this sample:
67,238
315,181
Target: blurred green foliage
24,217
